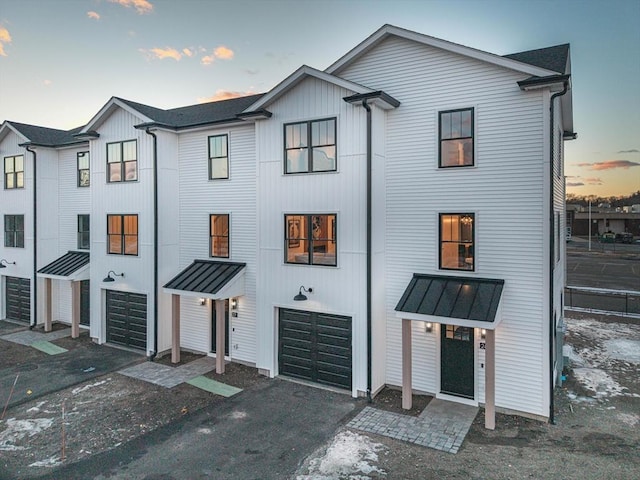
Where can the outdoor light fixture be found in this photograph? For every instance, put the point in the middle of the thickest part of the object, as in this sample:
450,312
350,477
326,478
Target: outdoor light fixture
428,327
483,333
466,219
4,263
301,296
203,301
234,303
109,278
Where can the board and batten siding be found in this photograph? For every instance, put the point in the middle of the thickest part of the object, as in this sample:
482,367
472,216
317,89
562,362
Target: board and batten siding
505,191
336,290
201,197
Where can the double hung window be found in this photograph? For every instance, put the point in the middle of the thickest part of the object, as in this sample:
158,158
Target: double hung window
457,241
310,146
14,231
456,138
310,239
83,169
122,233
14,172
83,232
218,157
122,161
219,235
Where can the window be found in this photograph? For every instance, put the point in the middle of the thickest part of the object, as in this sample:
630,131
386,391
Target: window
83,232
218,157
122,233
14,231
83,169
310,146
310,239
122,161
14,172
456,138
219,233
456,241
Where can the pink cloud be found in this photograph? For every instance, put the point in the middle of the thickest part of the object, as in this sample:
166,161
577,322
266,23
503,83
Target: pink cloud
594,181
609,164
188,52
162,53
5,37
223,95
141,6
93,15
221,52
575,184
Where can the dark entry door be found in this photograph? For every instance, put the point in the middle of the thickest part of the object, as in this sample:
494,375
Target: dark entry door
456,361
226,327
127,319
84,303
18,299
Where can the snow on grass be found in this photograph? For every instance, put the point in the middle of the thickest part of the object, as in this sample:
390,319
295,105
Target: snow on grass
348,457
18,429
78,390
47,462
629,418
623,349
598,381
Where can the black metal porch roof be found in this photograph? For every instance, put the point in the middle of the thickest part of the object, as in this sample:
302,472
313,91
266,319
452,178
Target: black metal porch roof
205,276
67,264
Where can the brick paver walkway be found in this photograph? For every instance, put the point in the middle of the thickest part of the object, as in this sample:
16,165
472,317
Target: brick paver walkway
169,377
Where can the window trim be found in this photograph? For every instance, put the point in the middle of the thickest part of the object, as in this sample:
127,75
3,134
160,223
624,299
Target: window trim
80,232
79,170
228,236
211,177
309,237
310,145
122,162
14,174
473,241
123,235
472,137
14,232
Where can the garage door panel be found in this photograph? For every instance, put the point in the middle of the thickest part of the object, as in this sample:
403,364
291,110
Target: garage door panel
127,319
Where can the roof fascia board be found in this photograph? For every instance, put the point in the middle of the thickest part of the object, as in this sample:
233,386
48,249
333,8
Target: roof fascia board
389,30
419,317
193,127
8,126
107,110
295,78
61,146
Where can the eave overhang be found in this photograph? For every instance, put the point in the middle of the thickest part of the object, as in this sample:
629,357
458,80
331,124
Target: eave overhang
553,82
378,98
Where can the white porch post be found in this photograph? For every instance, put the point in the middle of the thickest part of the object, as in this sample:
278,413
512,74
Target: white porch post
47,305
75,309
490,380
407,399
220,335
175,328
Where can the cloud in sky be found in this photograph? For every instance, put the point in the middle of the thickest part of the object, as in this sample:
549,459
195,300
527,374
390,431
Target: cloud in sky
162,53
141,6
633,150
188,52
609,165
46,83
594,181
93,15
223,95
575,184
5,37
221,52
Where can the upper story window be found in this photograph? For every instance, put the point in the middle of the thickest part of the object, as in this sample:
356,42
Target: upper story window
83,169
456,138
122,234
83,232
14,231
218,157
219,235
14,172
122,161
310,239
457,241
310,146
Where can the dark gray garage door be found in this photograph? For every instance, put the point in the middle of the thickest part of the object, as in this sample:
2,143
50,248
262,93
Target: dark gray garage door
127,319
18,299
315,346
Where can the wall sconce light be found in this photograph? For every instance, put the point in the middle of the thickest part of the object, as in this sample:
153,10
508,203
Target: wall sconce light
483,333
233,303
301,296
202,301
109,278
428,327
4,263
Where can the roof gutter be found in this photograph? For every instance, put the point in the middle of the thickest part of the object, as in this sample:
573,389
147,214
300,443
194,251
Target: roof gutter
34,321
154,352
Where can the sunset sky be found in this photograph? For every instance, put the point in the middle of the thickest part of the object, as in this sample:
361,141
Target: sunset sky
61,60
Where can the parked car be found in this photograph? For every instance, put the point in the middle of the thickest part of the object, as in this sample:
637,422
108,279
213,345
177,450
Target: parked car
624,237
608,237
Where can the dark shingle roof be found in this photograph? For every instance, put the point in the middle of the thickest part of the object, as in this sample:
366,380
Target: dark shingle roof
205,276
193,115
452,297
47,137
550,58
67,264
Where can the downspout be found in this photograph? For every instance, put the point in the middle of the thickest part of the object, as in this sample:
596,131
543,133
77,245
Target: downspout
552,246
369,181
154,352
34,320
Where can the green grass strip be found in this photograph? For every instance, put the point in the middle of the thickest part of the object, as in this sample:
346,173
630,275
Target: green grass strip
48,347
212,386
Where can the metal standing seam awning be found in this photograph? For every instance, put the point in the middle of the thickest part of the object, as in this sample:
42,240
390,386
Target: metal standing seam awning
213,279
74,267
464,301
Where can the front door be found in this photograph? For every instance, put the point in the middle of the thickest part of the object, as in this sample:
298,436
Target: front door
85,299
226,327
456,361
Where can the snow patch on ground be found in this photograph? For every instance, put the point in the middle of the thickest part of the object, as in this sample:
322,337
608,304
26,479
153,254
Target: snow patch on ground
18,429
348,457
629,418
598,381
623,349
78,390
48,462
37,408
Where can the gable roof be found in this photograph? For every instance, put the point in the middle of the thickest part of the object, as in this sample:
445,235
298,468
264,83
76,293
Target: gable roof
43,136
387,31
554,58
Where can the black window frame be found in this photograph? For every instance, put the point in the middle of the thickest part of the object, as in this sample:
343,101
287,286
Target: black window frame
308,236
84,236
227,236
123,236
310,146
460,243
80,171
122,162
471,137
13,237
211,159
15,174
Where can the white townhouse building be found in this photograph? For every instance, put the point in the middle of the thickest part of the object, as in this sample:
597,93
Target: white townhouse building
395,219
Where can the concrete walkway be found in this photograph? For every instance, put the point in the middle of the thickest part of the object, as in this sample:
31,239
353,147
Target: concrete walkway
442,425
169,377
29,337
